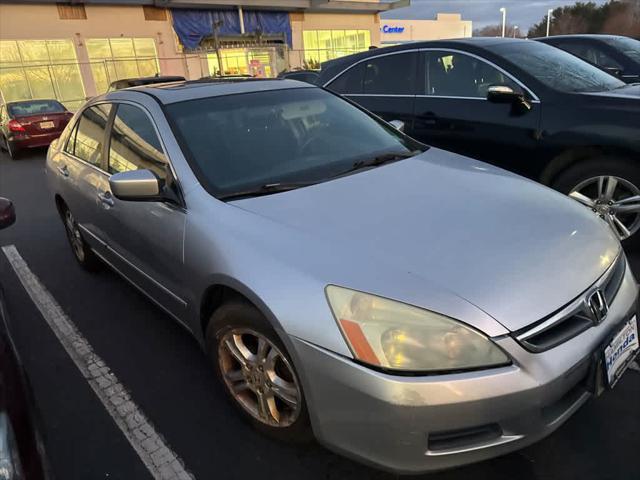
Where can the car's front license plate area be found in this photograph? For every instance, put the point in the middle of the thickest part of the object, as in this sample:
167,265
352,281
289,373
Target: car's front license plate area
620,351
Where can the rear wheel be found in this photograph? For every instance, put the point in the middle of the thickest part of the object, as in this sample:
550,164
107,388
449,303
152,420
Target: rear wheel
610,188
83,253
256,372
9,148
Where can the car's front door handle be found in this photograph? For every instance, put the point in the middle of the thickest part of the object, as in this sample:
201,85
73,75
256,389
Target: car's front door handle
106,199
64,171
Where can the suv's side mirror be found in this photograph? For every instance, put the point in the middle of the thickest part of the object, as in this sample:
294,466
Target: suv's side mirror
507,95
140,185
7,213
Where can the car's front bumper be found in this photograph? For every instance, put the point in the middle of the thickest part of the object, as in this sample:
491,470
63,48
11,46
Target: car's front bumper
418,424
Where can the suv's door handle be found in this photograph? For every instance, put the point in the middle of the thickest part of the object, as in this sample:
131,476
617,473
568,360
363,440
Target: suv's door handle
106,198
64,171
428,118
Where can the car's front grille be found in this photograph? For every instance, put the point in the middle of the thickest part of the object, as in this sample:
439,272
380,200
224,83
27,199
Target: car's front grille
574,318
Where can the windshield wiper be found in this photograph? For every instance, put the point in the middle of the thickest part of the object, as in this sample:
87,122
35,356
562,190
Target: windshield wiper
265,189
380,160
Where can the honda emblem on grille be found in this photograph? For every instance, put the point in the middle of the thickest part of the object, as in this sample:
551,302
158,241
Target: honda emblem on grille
598,306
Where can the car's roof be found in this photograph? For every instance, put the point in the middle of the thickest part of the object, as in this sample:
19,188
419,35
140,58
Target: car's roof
174,92
585,36
146,80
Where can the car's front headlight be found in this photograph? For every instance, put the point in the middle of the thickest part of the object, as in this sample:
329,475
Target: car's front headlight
396,336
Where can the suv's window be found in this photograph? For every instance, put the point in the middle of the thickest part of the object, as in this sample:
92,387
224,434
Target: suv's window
391,74
591,53
88,137
134,143
451,74
350,81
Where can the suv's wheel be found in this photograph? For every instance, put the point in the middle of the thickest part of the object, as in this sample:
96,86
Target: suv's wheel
83,253
257,372
610,187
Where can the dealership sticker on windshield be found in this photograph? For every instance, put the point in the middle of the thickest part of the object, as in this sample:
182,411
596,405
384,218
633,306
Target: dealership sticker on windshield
621,351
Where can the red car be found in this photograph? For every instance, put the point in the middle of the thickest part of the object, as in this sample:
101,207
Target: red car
31,123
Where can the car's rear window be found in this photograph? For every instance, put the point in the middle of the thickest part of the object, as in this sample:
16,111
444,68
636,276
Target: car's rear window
35,107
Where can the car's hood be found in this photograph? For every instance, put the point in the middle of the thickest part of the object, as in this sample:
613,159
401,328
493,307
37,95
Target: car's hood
515,249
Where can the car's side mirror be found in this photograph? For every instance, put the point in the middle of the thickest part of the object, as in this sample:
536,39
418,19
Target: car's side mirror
136,185
507,95
397,124
7,213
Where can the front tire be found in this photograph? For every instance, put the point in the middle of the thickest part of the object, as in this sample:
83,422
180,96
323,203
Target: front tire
610,187
257,372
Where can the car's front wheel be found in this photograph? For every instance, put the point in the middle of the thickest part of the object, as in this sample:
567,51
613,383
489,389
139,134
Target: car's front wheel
257,372
610,188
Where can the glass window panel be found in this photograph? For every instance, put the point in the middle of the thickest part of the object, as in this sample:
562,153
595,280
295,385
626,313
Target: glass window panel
13,83
212,63
98,48
40,82
144,47
9,54
366,39
148,68
61,51
68,82
351,41
122,48
125,69
134,143
34,51
310,38
324,40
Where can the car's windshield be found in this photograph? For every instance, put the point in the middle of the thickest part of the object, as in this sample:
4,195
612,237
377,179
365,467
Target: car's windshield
556,68
629,46
35,107
244,141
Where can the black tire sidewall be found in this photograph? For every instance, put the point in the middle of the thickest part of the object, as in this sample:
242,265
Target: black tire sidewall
600,166
238,313
91,262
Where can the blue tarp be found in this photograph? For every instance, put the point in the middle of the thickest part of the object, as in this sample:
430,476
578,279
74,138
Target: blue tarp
192,26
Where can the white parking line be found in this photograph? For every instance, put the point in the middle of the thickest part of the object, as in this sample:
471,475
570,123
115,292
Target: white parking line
160,460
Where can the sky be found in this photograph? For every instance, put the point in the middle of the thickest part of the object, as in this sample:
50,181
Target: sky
523,13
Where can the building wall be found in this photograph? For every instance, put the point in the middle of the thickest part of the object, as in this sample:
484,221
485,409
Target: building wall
446,25
44,23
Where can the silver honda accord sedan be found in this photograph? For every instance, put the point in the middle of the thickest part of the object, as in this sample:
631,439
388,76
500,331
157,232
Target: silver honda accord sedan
412,308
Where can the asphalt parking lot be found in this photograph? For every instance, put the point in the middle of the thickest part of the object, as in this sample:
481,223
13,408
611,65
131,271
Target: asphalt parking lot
170,380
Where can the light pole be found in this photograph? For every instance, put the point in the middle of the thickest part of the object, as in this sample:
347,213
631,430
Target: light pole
549,13
504,20
515,27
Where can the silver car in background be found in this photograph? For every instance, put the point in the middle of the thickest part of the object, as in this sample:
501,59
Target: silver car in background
412,308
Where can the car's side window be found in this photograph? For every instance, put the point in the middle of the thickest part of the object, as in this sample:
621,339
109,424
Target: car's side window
87,139
350,82
453,74
590,53
391,74
134,143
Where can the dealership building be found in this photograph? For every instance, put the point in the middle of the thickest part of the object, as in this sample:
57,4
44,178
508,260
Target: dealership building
73,50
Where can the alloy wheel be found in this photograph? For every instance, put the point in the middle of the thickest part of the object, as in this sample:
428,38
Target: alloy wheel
259,377
73,233
614,199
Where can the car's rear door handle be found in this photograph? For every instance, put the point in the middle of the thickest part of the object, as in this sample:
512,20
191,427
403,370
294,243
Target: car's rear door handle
428,118
106,199
64,171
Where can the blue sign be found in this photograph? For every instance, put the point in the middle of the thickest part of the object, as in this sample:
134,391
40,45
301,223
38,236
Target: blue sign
391,29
